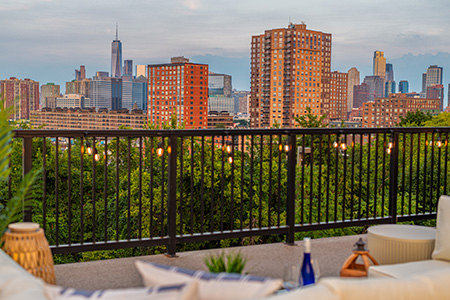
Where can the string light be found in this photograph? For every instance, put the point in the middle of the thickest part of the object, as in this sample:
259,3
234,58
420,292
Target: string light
96,155
343,145
88,148
160,149
286,146
439,142
390,145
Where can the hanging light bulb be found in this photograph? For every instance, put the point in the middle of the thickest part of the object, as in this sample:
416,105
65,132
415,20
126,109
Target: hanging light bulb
286,146
336,144
88,148
390,145
228,147
160,149
439,142
230,158
96,155
343,145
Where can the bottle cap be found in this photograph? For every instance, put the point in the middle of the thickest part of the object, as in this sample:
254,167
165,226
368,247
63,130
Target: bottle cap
307,242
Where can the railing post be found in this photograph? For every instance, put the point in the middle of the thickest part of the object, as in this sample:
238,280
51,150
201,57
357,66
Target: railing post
291,165
172,195
393,178
27,165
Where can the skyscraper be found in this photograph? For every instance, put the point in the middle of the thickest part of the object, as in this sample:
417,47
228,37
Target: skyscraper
360,94
353,79
376,86
338,96
81,73
219,92
290,72
141,70
379,64
389,88
116,56
403,87
432,77
181,89
389,72
436,91
128,67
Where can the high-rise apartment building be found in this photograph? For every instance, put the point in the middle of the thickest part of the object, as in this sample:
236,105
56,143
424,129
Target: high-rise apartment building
389,72
403,87
80,74
386,112
116,56
181,89
379,64
49,93
353,79
436,91
338,96
360,94
290,71
22,95
433,78
389,88
241,101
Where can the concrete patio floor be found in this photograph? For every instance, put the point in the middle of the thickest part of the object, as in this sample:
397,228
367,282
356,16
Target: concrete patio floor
262,260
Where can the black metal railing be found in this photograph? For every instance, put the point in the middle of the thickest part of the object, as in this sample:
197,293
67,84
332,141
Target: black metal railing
169,187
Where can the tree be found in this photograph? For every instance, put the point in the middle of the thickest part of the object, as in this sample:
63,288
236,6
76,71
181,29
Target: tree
415,119
310,121
442,119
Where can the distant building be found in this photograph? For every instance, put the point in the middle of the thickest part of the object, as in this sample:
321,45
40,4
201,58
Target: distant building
141,70
353,79
78,87
433,76
101,75
179,88
241,101
379,64
376,86
88,118
220,119
360,94
128,67
436,91
338,96
140,92
389,88
389,72
80,74
116,56
100,93
219,93
21,95
386,112
403,87
127,94
49,93
290,72
72,101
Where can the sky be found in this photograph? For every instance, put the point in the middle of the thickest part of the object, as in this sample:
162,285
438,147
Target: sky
46,40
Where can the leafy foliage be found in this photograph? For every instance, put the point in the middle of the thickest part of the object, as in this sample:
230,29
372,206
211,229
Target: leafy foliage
415,119
232,263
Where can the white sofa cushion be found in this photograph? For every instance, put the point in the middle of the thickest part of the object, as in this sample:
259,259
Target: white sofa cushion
442,245
186,291
16,283
408,269
211,286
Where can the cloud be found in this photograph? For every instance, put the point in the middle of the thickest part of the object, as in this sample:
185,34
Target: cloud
191,4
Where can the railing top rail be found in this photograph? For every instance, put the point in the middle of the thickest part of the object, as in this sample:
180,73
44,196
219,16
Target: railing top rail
220,132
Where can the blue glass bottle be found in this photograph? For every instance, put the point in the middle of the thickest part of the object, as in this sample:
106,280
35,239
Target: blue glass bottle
307,272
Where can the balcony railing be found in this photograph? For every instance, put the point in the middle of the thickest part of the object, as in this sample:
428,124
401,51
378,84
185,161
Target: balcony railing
169,187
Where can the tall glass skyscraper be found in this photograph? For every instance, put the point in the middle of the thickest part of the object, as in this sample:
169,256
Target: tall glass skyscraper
116,57
403,86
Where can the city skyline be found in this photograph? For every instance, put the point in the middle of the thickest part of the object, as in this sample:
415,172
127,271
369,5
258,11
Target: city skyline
57,43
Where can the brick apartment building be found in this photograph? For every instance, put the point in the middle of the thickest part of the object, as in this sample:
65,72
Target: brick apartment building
88,118
338,96
290,71
22,95
386,112
179,88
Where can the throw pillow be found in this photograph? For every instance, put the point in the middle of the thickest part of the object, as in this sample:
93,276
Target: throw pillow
442,244
186,291
220,286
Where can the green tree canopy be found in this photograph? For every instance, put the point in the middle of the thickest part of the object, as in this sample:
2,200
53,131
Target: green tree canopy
415,119
310,121
443,119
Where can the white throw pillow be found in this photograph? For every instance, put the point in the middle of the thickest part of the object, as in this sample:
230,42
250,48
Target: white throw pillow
187,291
442,244
221,286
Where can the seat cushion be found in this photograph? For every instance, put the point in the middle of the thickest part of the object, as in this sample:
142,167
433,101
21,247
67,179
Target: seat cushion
212,286
442,244
408,269
16,283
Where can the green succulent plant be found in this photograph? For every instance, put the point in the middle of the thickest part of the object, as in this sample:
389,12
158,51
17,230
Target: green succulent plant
231,263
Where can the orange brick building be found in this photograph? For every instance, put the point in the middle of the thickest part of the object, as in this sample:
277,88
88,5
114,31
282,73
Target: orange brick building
338,96
386,112
21,95
179,88
290,71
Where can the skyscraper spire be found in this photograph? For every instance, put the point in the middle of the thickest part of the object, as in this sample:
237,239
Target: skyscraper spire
117,31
